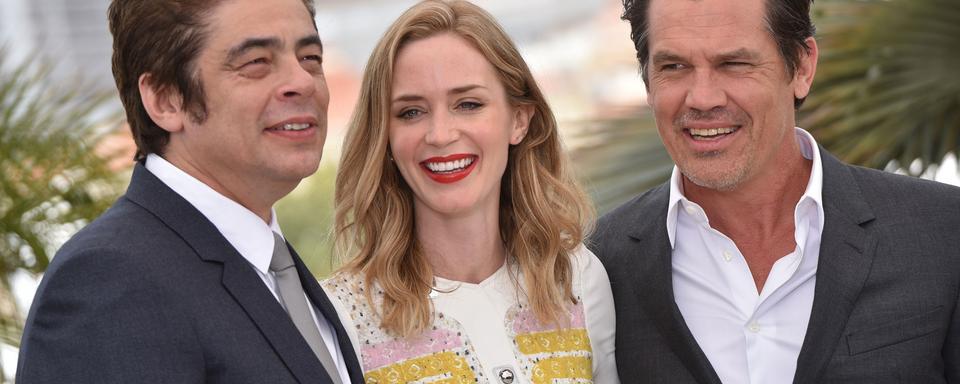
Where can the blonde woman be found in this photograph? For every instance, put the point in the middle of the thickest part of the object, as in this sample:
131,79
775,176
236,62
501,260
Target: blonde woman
460,222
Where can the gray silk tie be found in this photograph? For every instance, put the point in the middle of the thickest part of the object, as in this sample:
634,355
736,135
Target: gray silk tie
293,299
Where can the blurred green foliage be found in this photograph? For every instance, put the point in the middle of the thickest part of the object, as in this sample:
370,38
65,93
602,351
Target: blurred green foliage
53,179
306,218
887,87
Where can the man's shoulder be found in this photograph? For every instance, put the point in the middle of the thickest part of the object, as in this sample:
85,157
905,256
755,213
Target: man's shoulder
884,190
882,183
124,224
900,200
126,236
645,205
637,214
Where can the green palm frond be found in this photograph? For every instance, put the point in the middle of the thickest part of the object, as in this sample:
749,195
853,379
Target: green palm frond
886,86
618,158
51,181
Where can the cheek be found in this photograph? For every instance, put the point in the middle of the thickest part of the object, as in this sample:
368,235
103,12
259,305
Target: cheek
323,93
402,143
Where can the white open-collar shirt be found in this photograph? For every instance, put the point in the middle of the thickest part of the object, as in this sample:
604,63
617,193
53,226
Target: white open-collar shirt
246,232
748,336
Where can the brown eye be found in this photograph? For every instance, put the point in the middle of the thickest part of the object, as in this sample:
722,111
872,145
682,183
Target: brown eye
312,63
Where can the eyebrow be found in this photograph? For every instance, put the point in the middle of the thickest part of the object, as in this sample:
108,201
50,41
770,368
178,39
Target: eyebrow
269,43
308,41
663,56
454,91
739,54
251,43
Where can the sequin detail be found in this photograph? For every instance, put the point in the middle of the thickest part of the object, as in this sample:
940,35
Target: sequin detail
547,354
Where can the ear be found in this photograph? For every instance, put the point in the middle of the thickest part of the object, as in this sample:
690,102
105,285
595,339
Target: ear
521,122
806,68
164,106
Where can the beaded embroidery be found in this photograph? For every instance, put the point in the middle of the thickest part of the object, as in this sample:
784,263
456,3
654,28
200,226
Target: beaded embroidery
445,354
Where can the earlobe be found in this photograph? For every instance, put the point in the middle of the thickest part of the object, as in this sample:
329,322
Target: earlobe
163,105
806,69
522,117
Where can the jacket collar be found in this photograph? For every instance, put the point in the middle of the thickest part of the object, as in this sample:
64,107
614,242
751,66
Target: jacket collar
241,280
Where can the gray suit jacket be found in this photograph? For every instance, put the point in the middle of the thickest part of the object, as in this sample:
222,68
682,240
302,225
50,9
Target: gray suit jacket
151,292
885,308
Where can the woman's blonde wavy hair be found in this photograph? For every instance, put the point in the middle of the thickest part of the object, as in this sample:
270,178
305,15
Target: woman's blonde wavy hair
544,215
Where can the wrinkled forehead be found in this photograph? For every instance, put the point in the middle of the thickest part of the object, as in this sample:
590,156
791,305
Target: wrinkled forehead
720,24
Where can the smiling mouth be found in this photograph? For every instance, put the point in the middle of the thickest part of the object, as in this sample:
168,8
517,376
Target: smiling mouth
447,167
711,133
295,127
290,127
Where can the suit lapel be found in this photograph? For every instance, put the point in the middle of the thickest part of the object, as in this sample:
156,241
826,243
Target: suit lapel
654,286
239,278
323,304
846,256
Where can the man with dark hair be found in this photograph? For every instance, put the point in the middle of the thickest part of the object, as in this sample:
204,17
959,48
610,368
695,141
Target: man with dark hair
765,259
187,278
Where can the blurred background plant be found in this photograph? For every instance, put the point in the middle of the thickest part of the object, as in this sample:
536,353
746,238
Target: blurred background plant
52,180
886,96
888,92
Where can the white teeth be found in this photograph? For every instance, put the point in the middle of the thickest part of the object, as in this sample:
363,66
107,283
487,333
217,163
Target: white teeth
295,127
449,166
712,131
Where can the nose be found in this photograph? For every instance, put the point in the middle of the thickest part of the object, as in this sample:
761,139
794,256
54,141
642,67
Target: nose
442,130
705,93
297,81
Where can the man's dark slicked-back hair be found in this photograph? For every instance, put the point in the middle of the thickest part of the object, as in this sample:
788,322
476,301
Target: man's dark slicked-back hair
787,20
162,38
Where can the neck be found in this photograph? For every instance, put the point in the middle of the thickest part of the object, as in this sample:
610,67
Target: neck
761,204
253,195
758,215
462,248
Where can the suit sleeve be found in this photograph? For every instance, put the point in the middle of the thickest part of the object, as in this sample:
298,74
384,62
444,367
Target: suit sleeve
99,318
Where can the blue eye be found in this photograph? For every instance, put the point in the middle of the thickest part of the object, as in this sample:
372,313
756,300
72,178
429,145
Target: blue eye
409,114
470,105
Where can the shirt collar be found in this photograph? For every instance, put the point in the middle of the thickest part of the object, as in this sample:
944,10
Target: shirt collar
246,232
813,193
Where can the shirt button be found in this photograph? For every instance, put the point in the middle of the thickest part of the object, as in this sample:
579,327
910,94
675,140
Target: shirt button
754,327
727,256
690,209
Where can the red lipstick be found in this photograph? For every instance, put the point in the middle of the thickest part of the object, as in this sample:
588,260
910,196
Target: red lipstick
449,169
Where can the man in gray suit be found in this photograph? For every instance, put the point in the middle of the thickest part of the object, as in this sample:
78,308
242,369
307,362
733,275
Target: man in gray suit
187,278
764,259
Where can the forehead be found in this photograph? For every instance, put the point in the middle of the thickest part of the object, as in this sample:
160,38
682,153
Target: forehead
232,21
717,24
446,58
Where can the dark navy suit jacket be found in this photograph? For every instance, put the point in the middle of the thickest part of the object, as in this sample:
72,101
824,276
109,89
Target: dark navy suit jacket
885,307
151,292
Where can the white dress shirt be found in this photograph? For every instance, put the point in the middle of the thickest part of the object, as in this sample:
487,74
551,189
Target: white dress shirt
748,336
246,232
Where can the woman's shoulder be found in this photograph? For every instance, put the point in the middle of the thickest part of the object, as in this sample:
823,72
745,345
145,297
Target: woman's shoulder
586,267
349,290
